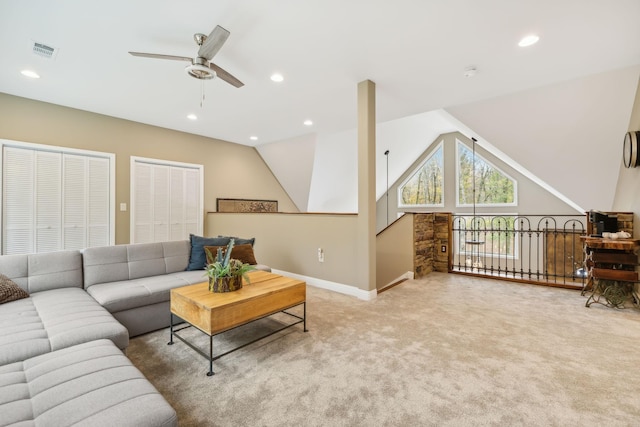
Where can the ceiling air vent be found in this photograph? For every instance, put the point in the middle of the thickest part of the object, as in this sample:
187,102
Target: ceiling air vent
43,50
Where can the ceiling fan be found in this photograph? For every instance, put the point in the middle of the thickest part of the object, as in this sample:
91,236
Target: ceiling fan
201,67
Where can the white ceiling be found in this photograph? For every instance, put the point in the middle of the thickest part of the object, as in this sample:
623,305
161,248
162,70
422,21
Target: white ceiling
415,51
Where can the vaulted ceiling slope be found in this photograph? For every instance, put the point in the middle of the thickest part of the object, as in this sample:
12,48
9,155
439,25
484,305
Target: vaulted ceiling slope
416,51
566,137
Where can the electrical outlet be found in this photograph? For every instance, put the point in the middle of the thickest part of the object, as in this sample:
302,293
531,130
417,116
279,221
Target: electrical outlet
320,255
443,248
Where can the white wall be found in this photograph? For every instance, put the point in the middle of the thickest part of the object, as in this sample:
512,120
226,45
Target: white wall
568,134
334,185
628,189
291,162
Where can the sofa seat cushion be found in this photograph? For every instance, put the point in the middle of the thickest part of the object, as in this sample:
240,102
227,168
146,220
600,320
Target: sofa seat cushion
90,384
127,294
52,320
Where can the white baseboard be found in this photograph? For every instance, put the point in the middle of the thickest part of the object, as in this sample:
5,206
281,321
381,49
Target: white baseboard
332,286
409,275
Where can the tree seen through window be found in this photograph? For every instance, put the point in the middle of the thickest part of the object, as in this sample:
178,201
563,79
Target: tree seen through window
426,185
492,186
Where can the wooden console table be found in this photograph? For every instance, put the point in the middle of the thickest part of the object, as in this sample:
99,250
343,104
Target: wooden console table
612,275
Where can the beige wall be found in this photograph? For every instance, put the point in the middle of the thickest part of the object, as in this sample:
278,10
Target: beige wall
290,242
230,170
394,251
627,197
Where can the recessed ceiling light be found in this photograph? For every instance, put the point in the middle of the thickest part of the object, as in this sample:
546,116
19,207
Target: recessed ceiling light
529,40
253,138
308,122
470,71
192,117
277,77
31,74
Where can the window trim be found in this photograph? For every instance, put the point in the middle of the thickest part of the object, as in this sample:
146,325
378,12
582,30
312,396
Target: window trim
415,170
457,179
65,150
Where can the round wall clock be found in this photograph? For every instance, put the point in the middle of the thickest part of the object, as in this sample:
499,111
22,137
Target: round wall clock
630,149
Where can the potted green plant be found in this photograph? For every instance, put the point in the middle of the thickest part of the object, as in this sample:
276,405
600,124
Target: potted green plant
226,273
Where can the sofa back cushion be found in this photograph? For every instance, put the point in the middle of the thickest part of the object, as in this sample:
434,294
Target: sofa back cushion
44,271
10,290
146,259
125,262
55,270
16,268
105,264
176,255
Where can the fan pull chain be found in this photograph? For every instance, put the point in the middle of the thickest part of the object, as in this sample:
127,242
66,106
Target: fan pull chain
202,91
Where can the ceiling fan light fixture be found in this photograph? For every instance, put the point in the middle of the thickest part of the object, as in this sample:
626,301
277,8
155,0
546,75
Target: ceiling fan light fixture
529,40
200,72
31,74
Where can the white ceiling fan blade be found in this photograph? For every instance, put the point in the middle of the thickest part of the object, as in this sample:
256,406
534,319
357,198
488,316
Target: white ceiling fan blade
160,56
225,75
213,43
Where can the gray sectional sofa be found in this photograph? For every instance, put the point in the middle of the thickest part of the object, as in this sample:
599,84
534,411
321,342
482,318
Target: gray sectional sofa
61,349
133,282
58,313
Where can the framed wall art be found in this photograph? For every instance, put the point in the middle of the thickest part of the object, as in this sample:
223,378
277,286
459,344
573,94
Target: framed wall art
246,205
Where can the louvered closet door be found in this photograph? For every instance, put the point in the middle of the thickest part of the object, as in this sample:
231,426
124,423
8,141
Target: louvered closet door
99,202
86,201
143,207
48,210
74,198
160,191
192,208
18,204
53,200
177,203
166,202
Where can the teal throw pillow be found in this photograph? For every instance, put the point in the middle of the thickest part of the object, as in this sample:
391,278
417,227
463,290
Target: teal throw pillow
197,258
240,241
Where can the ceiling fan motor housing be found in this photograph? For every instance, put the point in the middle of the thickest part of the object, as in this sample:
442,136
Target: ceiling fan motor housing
200,69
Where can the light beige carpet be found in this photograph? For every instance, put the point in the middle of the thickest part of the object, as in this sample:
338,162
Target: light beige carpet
446,350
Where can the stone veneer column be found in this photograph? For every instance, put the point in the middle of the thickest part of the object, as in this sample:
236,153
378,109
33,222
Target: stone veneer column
431,231
423,244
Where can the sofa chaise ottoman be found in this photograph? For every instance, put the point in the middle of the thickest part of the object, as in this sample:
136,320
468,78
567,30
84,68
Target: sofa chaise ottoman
58,312
91,384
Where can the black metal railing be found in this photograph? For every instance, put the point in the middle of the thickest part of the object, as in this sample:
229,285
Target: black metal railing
534,248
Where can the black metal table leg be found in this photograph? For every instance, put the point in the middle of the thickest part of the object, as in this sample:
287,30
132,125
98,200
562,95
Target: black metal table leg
174,331
304,316
171,329
210,373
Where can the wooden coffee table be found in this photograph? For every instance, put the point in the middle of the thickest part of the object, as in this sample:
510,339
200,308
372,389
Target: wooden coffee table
213,313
